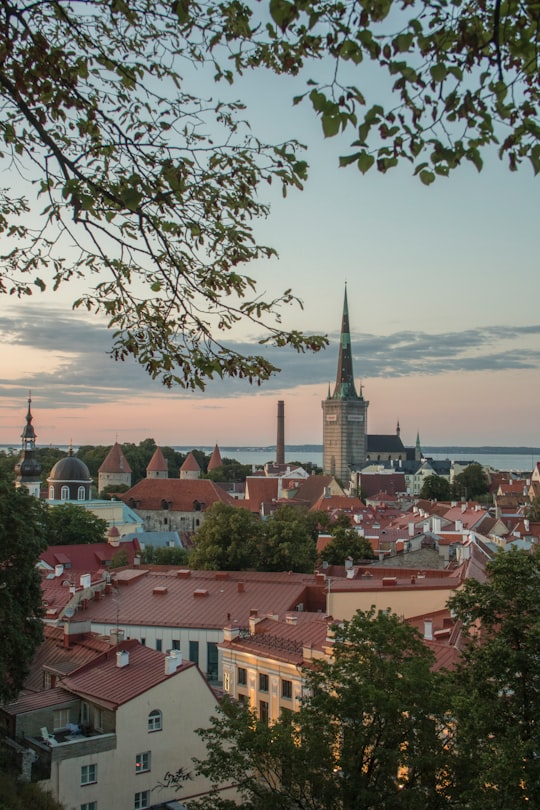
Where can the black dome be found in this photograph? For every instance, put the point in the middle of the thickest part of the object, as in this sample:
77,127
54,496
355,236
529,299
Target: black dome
70,469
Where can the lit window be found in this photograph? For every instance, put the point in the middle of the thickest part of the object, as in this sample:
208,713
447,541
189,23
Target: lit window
142,762
286,689
88,774
263,682
142,800
242,676
154,721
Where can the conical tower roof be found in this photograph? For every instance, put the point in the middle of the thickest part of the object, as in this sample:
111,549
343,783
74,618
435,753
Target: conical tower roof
158,462
345,388
215,460
115,462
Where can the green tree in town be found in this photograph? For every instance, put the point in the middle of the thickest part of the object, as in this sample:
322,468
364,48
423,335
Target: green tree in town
470,483
227,540
70,524
436,488
532,510
22,539
286,543
116,150
368,733
496,689
164,556
346,543
230,470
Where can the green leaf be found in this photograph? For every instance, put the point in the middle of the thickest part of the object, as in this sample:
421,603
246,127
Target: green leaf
365,162
330,125
427,177
438,72
283,13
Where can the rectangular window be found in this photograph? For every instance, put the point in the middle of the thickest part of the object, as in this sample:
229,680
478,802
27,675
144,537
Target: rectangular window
60,719
142,800
194,651
89,806
212,660
176,644
142,762
88,774
286,689
263,682
159,644
263,711
154,720
98,719
242,676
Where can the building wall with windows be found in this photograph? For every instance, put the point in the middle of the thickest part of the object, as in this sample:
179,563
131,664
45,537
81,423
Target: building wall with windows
149,750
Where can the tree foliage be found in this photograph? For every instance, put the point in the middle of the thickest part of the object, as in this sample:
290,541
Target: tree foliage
149,191
233,539
435,487
151,555
22,539
71,524
368,732
470,483
346,543
155,186
497,687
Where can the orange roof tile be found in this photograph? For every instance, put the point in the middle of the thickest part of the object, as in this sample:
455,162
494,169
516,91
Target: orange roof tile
215,460
190,464
182,494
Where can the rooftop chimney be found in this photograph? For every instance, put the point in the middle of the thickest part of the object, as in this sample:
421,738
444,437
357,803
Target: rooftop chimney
172,661
280,440
122,658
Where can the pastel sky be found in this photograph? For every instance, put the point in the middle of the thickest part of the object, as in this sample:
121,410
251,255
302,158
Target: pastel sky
443,289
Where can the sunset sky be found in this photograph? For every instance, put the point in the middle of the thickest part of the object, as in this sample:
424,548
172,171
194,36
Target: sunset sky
443,289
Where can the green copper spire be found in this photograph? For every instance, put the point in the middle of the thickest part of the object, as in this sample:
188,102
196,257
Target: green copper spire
345,388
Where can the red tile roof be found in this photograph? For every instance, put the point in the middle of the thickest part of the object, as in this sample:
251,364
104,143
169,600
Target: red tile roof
182,494
115,462
228,597
190,464
215,459
259,491
341,502
158,462
87,557
110,685
284,641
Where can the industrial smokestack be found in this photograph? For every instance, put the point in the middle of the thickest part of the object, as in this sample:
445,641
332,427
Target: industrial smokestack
280,442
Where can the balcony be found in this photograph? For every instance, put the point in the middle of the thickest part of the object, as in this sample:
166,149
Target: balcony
64,746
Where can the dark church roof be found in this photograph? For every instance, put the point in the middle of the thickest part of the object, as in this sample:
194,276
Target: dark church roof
70,468
385,443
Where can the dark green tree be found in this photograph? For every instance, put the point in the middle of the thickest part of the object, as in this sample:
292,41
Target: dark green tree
532,510
71,524
346,543
227,540
470,483
230,470
436,488
496,689
286,542
368,733
22,539
164,556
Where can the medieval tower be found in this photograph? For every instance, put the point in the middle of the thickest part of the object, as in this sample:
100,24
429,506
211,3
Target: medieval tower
344,414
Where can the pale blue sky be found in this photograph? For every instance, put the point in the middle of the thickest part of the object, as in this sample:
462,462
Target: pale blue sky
443,297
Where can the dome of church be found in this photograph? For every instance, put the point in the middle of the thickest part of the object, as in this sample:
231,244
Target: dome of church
70,480
70,468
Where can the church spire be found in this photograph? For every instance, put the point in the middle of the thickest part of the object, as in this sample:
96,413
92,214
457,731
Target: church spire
345,388
28,468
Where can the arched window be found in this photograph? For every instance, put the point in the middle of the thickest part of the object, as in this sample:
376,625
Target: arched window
155,720
64,493
51,493
81,494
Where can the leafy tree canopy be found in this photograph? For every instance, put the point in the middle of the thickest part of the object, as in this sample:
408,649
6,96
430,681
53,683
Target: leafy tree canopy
164,556
437,488
22,539
286,542
158,188
226,540
70,524
497,687
368,732
471,482
346,543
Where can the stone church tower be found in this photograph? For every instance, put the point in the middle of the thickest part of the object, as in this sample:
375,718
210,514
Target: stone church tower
28,468
344,414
